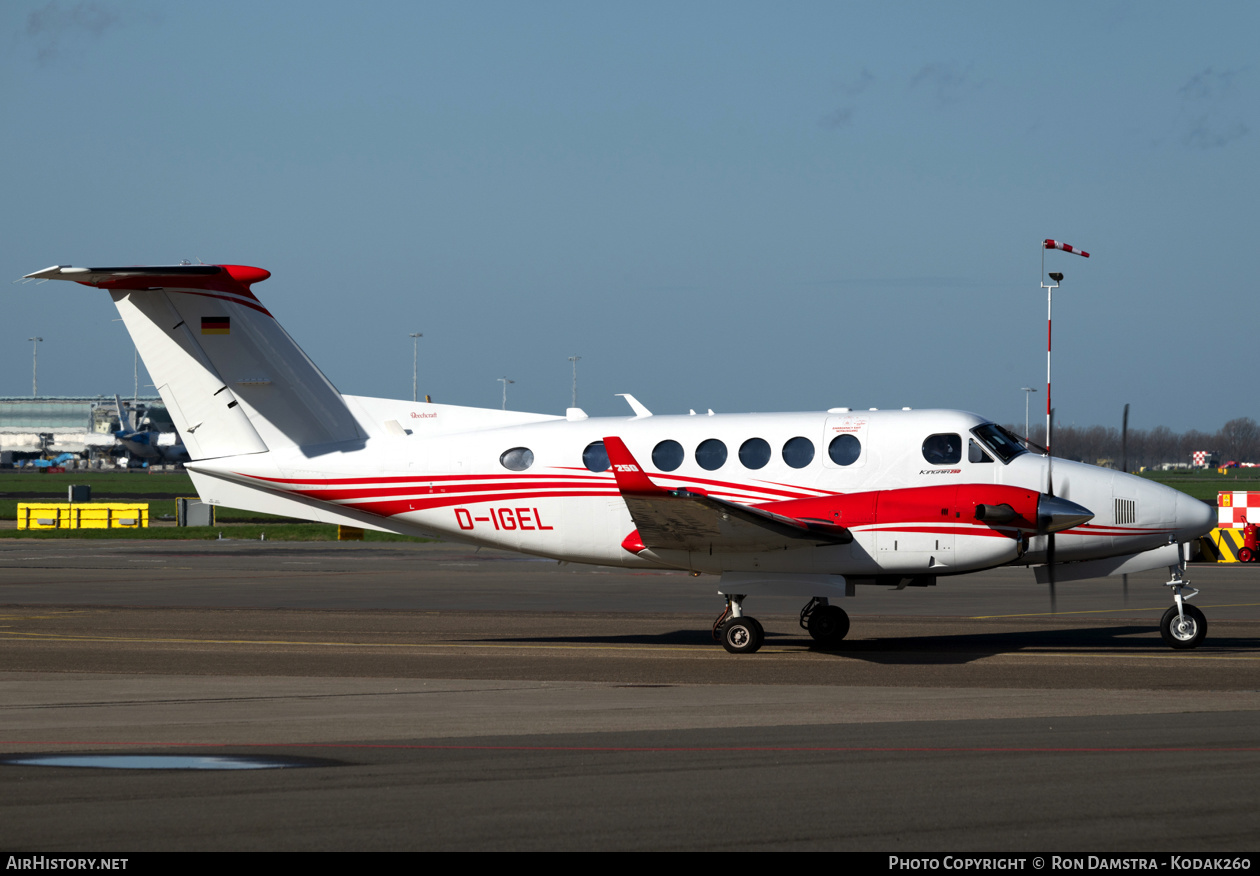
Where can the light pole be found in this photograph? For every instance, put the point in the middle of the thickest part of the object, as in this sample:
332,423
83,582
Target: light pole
505,383
34,366
574,360
1057,277
1027,394
415,341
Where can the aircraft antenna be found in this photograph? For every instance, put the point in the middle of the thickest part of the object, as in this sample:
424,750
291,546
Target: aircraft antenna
505,383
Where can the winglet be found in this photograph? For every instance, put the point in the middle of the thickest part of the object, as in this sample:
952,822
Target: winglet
630,476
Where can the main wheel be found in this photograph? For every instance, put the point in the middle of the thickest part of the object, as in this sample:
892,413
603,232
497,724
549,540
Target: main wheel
1183,634
828,624
743,635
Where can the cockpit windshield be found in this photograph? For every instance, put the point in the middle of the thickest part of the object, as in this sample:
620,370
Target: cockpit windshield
1003,444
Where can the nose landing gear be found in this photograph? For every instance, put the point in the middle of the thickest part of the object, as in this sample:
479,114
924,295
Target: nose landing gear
1183,626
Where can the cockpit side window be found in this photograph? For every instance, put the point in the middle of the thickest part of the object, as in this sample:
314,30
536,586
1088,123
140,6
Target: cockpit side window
942,449
975,454
1004,445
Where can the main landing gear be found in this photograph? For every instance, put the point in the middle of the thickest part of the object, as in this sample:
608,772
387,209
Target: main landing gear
739,633
827,624
1183,626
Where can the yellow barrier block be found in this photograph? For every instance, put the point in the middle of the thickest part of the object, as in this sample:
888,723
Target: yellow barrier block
1221,545
82,515
349,533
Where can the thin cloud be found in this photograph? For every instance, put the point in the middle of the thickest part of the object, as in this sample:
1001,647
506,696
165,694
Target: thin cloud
842,116
1208,118
52,22
945,81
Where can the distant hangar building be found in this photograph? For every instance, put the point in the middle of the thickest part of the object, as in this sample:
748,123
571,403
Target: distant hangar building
64,424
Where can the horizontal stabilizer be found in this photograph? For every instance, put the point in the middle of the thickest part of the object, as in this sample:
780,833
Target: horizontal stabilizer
231,377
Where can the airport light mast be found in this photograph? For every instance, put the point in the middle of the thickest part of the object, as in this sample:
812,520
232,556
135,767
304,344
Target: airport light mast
1028,390
415,341
1057,277
574,360
35,366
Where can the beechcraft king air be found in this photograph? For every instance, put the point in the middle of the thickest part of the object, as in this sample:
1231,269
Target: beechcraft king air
804,504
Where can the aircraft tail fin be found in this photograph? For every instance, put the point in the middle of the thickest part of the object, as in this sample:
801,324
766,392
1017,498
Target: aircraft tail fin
232,379
124,416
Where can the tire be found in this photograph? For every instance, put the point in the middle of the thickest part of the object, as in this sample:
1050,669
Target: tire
1179,636
743,635
1246,555
761,631
828,624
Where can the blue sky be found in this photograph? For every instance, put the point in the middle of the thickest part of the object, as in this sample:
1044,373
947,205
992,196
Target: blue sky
716,205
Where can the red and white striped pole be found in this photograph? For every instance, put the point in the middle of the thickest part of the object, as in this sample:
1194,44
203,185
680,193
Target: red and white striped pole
1045,245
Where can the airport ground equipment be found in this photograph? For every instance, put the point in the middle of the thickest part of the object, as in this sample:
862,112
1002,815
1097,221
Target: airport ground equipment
193,512
82,515
1236,538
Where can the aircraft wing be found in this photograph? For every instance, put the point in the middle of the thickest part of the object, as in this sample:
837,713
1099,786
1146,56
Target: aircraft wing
692,520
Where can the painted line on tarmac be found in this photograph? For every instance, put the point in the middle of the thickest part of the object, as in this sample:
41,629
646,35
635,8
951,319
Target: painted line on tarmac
1098,655
1110,611
704,649
680,749
53,637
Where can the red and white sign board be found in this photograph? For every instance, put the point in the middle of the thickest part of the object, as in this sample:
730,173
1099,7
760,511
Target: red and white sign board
1236,510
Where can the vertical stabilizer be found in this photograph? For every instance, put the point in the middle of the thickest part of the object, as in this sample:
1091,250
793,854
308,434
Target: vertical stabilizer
231,377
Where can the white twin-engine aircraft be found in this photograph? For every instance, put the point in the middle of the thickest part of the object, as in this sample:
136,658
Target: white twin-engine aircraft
807,504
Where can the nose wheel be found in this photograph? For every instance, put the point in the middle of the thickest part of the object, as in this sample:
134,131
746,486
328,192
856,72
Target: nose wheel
1183,626
1183,629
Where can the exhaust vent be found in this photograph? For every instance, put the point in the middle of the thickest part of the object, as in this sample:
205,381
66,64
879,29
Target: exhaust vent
1126,511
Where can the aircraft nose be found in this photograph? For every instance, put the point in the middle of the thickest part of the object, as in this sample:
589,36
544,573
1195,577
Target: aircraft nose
1055,514
1194,518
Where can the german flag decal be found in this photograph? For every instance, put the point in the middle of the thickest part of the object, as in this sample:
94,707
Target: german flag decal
216,325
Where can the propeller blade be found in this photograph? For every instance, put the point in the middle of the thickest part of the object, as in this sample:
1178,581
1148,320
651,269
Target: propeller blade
1124,467
1054,605
1124,441
1049,498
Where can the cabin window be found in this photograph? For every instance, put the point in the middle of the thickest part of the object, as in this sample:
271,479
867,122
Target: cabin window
595,456
667,455
711,454
517,459
943,449
844,449
754,453
975,454
798,452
